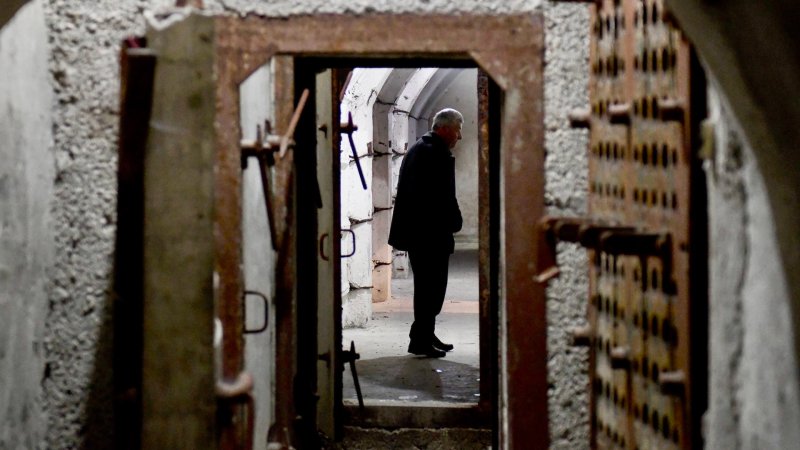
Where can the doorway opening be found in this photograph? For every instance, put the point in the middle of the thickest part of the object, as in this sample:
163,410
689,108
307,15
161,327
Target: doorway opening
458,390
392,108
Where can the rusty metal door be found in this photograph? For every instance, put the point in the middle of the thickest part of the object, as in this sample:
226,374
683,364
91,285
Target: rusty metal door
645,231
329,332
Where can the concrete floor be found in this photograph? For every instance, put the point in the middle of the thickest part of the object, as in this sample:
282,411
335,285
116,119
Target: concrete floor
388,374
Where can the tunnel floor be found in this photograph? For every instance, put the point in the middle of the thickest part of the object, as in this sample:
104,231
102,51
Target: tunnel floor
389,374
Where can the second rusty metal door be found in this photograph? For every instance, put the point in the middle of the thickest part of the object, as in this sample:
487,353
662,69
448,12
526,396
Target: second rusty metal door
329,329
645,300
645,231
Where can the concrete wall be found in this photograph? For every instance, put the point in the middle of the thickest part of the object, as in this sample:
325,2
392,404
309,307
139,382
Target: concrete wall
754,401
357,204
754,205
26,235
566,82
83,67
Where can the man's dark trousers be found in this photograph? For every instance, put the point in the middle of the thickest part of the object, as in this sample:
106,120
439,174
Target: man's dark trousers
426,214
430,284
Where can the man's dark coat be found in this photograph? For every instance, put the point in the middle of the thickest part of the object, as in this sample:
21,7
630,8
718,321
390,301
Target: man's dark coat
426,212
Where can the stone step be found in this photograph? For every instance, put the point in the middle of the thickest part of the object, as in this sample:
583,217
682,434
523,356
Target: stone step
357,438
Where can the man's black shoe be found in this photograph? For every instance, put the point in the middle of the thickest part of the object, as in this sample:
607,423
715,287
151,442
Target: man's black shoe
441,345
426,350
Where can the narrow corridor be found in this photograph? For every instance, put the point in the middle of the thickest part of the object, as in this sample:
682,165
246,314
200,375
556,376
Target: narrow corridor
388,374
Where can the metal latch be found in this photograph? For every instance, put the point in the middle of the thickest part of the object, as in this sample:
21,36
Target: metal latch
348,128
608,238
342,232
272,142
583,231
263,149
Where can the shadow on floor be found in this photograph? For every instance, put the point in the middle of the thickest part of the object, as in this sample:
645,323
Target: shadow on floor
413,379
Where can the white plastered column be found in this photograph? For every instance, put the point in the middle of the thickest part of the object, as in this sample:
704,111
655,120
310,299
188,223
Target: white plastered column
357,202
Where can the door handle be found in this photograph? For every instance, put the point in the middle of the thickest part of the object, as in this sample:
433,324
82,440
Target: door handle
326,235
266,312
322,246
352,233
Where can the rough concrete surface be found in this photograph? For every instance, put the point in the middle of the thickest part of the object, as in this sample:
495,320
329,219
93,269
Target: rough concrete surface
356,308
290,7
415,439
26,236
85,39
753,401
566,87
387,372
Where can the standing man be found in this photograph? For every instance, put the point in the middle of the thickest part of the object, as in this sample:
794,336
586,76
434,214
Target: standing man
426,215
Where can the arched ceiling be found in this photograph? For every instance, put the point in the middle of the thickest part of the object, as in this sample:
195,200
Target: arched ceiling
408,90
429,96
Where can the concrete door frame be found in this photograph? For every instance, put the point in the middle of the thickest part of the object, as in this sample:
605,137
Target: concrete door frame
227,50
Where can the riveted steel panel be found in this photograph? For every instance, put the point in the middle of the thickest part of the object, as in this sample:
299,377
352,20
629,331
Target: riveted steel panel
640,176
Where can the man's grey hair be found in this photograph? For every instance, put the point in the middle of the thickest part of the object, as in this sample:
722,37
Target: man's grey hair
447,117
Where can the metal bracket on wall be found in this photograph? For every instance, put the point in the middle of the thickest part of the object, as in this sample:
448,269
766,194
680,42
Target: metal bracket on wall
263,149
581,230
608,238
349,128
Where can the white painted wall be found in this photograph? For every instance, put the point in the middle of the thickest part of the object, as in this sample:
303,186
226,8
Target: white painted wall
461,93
754,401
357,202
26,227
